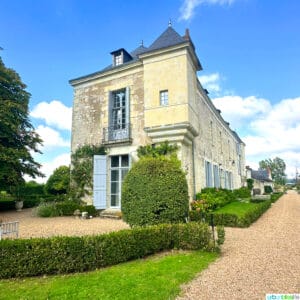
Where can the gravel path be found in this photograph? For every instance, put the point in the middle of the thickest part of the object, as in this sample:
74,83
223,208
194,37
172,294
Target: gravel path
259,260
32,226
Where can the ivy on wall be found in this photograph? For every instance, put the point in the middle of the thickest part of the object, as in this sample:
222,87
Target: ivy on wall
82,169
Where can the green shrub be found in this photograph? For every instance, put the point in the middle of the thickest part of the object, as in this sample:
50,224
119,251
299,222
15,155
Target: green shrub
90,209
212,198
242,193
57,255
66,208
241,219
155,191
268,189
275,196
221,235
47,210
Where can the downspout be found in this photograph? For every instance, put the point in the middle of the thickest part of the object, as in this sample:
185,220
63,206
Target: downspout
194,176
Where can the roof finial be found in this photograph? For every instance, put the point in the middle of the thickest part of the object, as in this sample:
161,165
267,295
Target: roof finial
170,23
142,43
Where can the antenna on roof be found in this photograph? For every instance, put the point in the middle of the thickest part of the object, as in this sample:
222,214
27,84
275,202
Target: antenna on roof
142,43
170,23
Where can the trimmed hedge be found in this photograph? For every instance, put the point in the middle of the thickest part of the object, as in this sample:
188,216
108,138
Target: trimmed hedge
155,191
275,196
234,220
57,255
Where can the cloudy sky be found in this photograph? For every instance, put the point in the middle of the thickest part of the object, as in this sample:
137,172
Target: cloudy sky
249,50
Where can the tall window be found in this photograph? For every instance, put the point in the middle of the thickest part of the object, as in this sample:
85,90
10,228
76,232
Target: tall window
119,109
119,168
216,176
208,174
164,97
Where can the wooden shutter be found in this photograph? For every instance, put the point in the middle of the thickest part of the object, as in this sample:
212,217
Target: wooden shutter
127,106
100,177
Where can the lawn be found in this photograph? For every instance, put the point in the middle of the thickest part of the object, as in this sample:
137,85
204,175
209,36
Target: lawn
157,277
238,208
240,214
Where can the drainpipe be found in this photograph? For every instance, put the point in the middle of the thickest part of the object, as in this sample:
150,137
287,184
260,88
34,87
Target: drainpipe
194,176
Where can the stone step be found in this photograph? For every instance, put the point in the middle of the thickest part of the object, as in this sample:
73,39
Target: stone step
110,215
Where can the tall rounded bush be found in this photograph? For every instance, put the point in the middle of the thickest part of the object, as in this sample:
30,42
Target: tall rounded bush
155,191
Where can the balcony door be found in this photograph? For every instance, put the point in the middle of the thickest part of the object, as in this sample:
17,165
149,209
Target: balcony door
119,115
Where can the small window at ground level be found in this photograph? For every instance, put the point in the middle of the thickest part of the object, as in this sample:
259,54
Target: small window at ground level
164,97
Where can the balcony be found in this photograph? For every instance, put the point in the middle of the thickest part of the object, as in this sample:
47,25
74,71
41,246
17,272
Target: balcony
117,134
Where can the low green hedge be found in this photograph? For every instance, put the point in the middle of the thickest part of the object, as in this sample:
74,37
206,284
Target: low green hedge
242,219
57,255
275,196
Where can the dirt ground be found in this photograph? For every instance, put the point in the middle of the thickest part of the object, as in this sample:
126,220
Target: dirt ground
32,226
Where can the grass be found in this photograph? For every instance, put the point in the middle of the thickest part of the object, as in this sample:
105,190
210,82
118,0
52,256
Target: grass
240,214
239,209
157,277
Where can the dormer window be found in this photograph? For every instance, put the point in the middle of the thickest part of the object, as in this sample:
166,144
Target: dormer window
120,57
118,60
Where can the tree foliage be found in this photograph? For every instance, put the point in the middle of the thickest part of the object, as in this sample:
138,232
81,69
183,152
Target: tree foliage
277,167
59,182
82,169
155,191
17,136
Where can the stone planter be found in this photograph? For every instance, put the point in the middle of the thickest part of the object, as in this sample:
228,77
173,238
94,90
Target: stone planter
19,205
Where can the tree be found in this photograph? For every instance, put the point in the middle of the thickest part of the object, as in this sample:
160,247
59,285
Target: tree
59,182
18,140
277,167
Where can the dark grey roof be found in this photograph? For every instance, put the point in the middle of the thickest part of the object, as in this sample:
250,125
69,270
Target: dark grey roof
168,38
141,49
261,175
237,136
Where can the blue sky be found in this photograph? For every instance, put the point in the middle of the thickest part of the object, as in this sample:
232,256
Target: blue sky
249,50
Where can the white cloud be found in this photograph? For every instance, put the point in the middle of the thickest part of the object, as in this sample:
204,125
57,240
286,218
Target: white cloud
238,110
270,130
211,82
54,114
49,166
188,7
51,138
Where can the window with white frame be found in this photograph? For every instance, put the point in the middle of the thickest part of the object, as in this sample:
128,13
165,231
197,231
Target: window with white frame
164,97
118,59
119,167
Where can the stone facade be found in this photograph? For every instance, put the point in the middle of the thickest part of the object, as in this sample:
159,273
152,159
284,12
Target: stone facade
188,118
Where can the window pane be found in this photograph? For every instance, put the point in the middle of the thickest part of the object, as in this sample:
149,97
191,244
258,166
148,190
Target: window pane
114,200
115,161
124,172
114,175
164,98
114,187
125,161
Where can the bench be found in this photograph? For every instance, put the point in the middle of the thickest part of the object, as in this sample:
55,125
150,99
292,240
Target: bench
9,228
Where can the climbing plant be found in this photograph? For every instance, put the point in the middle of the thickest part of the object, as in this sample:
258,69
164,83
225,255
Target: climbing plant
163,149
82,169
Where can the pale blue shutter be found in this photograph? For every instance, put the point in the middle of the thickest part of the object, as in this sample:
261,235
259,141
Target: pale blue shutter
100,181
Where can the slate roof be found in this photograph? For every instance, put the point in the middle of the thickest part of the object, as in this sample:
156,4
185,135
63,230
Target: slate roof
167,39
261,175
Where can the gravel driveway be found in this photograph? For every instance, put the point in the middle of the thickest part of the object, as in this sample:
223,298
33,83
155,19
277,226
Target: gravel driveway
32,226
255,261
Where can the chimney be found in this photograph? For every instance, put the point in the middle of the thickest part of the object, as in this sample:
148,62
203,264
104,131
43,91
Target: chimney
187,35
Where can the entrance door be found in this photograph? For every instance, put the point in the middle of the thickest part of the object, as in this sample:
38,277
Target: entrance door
119,167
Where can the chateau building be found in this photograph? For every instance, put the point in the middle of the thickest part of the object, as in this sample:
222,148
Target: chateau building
147,96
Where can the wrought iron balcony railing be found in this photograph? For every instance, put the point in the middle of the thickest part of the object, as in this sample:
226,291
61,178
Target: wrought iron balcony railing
117,134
